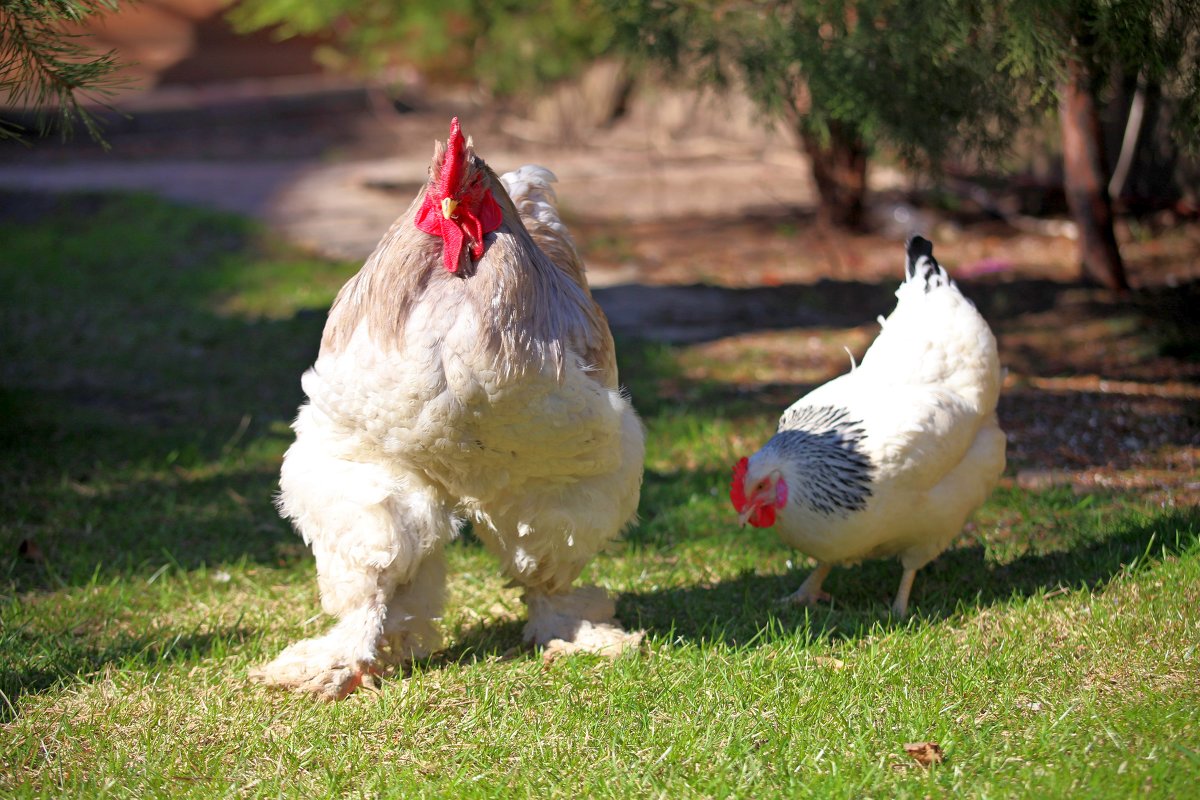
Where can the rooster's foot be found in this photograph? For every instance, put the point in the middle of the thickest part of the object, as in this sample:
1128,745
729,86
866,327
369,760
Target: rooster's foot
579,622
308,669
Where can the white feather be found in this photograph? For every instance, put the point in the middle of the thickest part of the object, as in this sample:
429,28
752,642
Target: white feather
531,190
924,396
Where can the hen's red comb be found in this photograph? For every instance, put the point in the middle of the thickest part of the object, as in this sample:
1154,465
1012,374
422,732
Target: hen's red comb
737,489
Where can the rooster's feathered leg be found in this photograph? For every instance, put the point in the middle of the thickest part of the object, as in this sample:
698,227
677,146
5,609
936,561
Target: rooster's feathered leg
409,629
377,534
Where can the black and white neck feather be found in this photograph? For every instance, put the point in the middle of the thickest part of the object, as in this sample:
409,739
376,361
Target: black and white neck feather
823,447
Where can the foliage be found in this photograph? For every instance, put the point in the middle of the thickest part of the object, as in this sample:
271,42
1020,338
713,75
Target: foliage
921,75
1157,41
45,67
918,75
507,47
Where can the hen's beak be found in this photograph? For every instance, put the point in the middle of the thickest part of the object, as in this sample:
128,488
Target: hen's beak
744,517
449,204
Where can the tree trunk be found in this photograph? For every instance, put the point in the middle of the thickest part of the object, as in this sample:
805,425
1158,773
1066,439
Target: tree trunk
839,168
1085,177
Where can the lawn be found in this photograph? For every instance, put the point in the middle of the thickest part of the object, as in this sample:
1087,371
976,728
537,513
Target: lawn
150,357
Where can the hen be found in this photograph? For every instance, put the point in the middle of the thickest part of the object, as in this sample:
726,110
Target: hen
891,458
465,373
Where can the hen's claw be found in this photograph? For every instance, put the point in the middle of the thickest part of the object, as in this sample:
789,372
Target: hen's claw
803,597
810,592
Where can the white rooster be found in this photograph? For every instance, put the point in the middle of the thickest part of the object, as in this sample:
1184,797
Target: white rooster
465,373
893,457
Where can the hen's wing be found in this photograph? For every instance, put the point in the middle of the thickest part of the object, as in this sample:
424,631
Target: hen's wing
919,434
914,434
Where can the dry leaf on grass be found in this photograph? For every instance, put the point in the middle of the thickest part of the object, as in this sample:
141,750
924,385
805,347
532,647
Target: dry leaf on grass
925,753
830,662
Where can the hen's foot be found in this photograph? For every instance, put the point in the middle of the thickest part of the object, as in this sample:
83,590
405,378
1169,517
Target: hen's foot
806,597
579,622
308,668
810,592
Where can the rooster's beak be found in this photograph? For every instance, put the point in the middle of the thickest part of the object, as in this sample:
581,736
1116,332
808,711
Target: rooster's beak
744,517
449,204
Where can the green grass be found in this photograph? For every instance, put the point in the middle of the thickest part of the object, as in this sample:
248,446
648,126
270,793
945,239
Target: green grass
150,363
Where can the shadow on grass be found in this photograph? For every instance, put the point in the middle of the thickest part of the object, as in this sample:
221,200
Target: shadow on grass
54,659
484,641
176,520
736,611
690,314
739,611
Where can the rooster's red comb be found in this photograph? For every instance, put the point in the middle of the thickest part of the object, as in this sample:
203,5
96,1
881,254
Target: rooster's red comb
453,163
737,489
459,215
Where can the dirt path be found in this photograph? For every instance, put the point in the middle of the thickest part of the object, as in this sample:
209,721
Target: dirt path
688,237
329,173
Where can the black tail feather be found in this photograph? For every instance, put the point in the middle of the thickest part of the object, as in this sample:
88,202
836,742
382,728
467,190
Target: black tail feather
915,247
920,256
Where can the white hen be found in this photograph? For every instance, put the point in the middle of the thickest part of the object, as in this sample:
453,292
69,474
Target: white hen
893,457
465,373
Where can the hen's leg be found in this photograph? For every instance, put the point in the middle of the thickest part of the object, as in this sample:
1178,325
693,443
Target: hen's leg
810,592
386,617
334,664
900,606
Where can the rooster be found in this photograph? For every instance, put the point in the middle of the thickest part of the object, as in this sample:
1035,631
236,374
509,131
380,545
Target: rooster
465,374
893,457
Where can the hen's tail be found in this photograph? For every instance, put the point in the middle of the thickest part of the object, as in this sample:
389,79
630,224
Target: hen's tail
922,268
935,336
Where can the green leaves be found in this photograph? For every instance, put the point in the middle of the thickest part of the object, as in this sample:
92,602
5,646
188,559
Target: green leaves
915,75
506,48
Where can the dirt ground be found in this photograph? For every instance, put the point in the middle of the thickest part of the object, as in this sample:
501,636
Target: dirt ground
697,239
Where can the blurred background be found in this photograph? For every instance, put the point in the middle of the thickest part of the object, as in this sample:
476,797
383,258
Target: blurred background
833,122
740,177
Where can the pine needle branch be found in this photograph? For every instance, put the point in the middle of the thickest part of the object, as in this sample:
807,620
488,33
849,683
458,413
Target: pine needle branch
50,71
